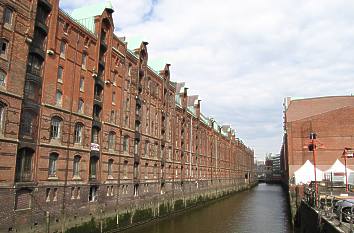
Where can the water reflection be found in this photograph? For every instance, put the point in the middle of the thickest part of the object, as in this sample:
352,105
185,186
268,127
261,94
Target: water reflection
263,209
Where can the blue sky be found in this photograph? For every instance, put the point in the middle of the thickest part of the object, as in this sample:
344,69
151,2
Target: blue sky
243,57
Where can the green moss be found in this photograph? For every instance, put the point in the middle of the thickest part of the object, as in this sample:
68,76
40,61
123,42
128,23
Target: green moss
178,205
124,219
109,224
164,209
87,227
190,202
142,215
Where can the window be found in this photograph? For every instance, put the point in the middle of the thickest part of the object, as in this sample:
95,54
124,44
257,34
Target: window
125,169
93,167
110,168
27,123
2,118
24,165
78,193
82,84
2,78
8,16
129,70
111,140
3,48
93,193
95,133
62,49
80,107
58,98
155,170
113,97
76,166
146,146
66,28
72,192
125,143
60,74
30,90
55,195
55,128
52,168
83,60
34,65
78,133
113,117
47,195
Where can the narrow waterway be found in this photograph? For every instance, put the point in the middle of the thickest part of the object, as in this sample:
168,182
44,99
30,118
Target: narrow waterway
263,209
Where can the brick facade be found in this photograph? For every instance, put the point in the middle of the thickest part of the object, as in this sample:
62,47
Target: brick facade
88,125
331,118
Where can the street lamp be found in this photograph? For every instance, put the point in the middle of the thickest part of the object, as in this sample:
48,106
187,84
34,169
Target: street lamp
347,153
313,145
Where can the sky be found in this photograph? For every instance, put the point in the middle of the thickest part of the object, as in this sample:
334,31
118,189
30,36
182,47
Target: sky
244,57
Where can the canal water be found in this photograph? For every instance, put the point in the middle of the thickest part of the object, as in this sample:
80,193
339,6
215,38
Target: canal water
263,209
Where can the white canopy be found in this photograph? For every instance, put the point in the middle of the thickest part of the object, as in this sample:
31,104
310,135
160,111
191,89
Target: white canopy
305,174
338,167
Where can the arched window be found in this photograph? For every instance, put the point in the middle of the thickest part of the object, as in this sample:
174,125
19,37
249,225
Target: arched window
110,168
111,140
78,133
2,117
80,107
76,166
126,143
52,168
24,165
2,78
55,128
58,98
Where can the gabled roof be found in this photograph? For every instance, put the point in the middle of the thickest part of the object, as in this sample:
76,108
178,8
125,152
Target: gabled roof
303,108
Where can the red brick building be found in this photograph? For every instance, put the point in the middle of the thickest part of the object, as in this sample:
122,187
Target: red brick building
88,126
331,118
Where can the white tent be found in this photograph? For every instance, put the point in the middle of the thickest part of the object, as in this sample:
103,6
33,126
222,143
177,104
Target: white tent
305,174
339,168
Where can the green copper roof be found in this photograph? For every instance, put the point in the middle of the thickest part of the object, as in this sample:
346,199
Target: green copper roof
191,110
204,119
134,42
156,64
86,14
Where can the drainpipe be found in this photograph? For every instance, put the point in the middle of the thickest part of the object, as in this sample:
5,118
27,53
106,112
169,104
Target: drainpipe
69,138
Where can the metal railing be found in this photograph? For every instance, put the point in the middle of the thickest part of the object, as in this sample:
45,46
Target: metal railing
337,209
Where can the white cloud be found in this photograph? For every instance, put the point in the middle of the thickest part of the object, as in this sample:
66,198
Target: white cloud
243,57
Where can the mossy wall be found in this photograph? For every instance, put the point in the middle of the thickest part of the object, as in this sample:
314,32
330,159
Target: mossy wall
139,213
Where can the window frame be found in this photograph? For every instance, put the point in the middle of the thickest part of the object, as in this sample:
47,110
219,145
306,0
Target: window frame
8,21
55,128
3,77
52,166
78,133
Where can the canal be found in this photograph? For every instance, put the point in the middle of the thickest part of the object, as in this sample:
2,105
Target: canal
263,209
